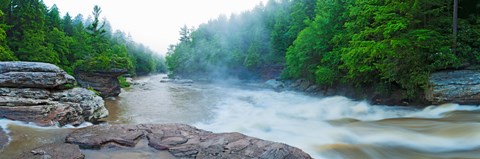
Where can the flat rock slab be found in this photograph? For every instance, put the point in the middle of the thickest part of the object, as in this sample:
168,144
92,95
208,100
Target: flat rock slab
54,151
33,75
183,141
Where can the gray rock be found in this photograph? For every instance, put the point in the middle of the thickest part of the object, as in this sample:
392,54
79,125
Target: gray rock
105,82
165,80
275,84
38,92
458,86
182,81
54,151
51,107
93,106
312,88
183,141
33,75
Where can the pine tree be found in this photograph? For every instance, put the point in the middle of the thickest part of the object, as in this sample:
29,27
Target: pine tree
5,53
26,38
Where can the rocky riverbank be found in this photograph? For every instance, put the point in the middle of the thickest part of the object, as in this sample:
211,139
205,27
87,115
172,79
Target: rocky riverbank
449,86
42,93
181,141
308,87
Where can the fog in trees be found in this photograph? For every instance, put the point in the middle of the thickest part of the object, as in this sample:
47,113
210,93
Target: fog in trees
380,45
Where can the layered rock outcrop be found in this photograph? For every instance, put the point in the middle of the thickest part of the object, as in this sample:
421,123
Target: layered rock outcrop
105,82
182,141
38,92
457,86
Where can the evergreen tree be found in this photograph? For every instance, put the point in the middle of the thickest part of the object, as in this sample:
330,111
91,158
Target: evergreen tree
67,25
5,53
53,19
26,38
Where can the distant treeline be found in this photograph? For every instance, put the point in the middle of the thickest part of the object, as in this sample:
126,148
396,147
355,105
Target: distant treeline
381,44
29,31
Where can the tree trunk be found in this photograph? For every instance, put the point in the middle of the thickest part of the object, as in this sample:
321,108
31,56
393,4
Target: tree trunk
455,25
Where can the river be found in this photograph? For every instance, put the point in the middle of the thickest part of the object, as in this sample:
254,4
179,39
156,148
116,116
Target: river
324,127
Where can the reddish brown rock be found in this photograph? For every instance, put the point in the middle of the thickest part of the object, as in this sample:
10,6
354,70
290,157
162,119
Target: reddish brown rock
54,151
95,137
183,141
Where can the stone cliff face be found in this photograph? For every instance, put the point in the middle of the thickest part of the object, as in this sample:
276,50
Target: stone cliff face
37,92
105,82
457,86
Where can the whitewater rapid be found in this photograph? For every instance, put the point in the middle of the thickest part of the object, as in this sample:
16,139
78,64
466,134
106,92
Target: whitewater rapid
319,124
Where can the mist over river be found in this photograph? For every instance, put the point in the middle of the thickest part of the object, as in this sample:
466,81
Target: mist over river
324,127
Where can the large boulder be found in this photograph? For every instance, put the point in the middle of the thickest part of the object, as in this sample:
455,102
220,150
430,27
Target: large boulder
37,92
51,107
182,141
457,86
105,82
33,75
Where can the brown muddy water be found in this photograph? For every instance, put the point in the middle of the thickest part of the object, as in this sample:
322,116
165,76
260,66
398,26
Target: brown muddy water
324,127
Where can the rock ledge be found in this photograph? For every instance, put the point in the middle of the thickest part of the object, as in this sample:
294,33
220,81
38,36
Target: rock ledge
182,141
40,93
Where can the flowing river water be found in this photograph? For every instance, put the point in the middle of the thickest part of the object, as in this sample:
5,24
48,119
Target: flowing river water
324,127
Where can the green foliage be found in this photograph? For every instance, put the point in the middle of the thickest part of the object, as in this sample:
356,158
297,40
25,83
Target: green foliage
104,62
94,91
123,82
31,32
5,53
325,76
390,44
383,44
240,45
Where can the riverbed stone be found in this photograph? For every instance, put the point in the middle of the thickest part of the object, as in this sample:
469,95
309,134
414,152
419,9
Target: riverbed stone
104,82
183,141
457,86
54,151
33,75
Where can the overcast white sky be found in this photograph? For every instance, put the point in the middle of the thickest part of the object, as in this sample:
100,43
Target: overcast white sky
155,23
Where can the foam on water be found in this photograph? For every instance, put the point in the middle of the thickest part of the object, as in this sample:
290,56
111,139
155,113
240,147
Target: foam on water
303,121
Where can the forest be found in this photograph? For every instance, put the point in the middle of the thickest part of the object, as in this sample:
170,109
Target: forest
385,45
30,31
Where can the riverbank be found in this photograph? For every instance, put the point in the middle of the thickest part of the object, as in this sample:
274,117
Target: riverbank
323,127
39,95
